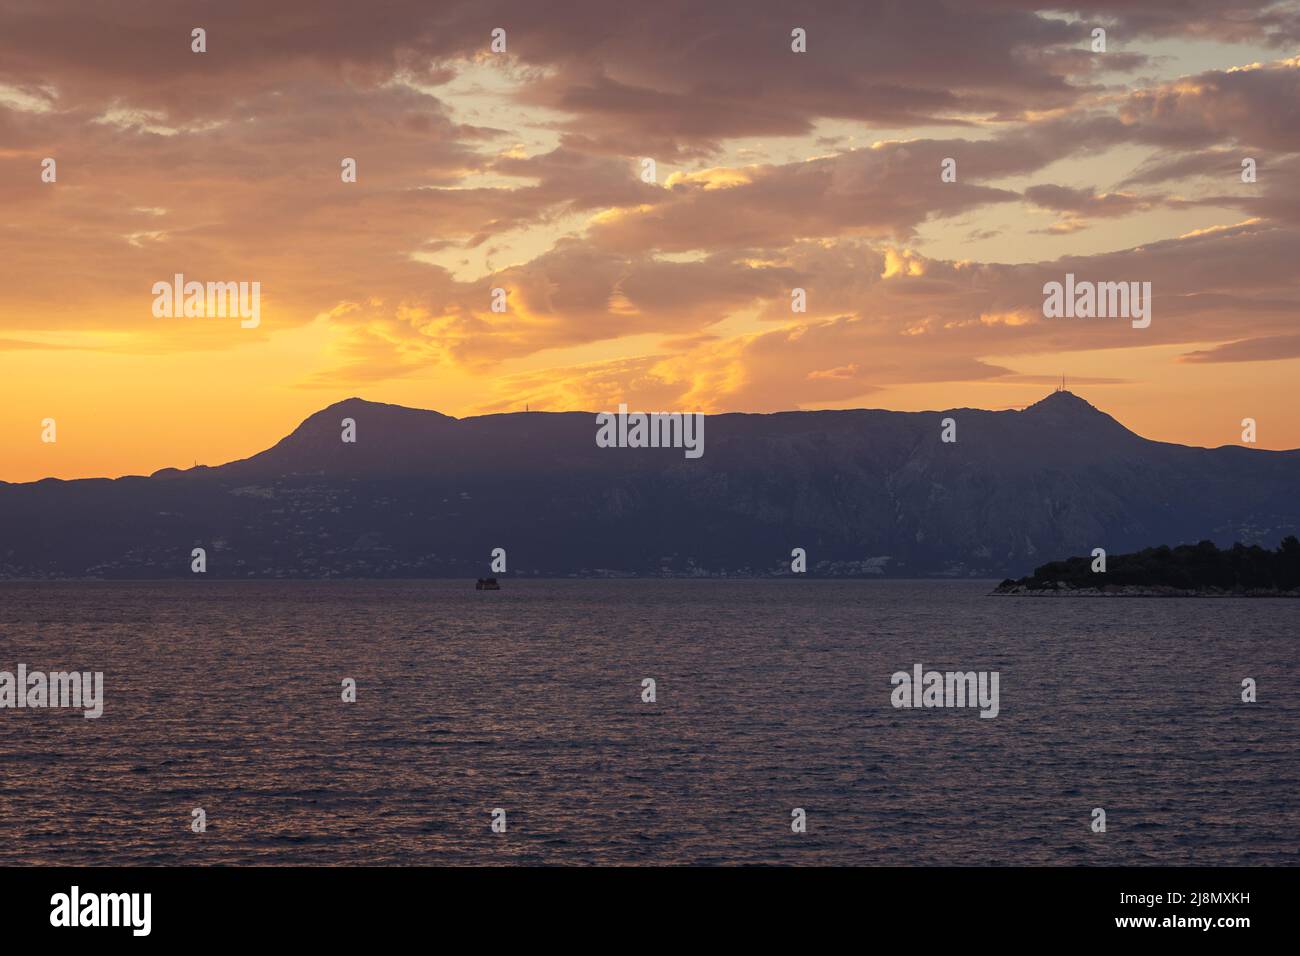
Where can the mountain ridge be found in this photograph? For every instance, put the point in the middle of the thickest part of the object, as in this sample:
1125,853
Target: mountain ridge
1051,403
864,491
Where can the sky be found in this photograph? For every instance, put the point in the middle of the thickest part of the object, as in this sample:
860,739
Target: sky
668,289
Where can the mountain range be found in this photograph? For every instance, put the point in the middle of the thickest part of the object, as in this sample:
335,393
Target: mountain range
863,492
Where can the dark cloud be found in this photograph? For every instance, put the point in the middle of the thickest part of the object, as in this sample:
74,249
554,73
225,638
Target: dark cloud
225,165
1085,201
1267,349
1257,108
678,76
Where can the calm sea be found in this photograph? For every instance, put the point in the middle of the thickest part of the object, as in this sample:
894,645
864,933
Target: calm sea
771,695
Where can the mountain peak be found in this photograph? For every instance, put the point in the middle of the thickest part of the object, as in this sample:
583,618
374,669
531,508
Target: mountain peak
1066,408
355,404
1061,401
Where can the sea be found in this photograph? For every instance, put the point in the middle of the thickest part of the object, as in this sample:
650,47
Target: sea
529,707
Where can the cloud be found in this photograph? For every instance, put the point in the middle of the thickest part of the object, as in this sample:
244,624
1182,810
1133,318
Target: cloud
942,321
1085,202
520,172
681,80
1266,349
883,192
1257,106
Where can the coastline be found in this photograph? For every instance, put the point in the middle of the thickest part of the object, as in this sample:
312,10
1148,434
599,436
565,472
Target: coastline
1055,589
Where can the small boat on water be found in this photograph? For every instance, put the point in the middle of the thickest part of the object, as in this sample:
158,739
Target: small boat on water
487,584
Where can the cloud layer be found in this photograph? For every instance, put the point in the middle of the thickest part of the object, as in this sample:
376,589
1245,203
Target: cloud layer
775,171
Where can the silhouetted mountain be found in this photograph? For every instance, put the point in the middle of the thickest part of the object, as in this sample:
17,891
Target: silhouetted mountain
864,492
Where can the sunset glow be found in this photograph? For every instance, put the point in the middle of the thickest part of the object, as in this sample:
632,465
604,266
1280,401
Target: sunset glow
524,171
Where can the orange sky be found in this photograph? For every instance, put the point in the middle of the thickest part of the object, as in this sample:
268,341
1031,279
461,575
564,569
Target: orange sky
524,171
